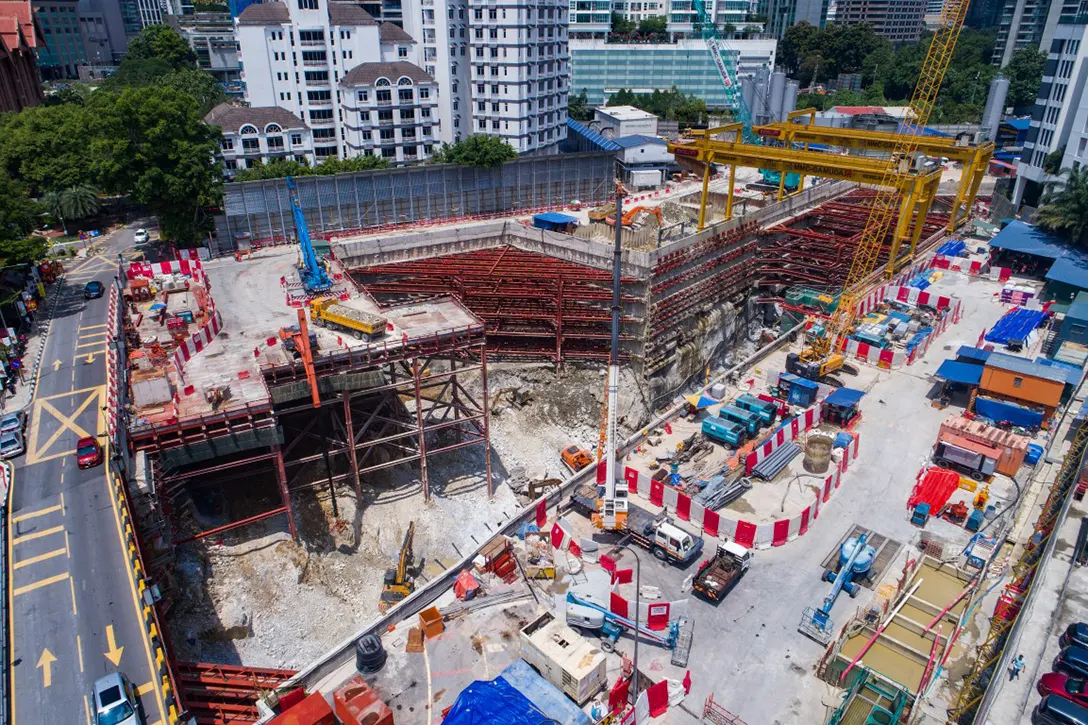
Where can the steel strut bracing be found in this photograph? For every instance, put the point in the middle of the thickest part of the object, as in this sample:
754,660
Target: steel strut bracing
219,694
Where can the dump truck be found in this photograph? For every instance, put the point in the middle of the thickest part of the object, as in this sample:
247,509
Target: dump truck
653,532
725,432
718,574
328,312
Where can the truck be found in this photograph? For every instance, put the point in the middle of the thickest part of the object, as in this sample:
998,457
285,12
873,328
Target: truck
725,432
717,575
564,658
975,465
654,532
767,412
749,420
328,312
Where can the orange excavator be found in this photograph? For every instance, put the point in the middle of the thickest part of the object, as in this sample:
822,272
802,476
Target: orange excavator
629,217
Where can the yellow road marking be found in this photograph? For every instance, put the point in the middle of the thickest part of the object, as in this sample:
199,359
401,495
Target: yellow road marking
67,422
42,557
87,709
45,664
39,512
145,688
79,648
101,344
11,598
87,357
37,534
39,584
72,587
103,326
83,335
67,548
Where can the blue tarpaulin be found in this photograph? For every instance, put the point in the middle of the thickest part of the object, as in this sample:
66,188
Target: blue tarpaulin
954,371
918,338
921,281
518,696
844,397
1015,326
1027,239
952,248
1000,410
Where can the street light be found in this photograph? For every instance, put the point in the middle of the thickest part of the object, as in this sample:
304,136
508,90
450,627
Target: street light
632,694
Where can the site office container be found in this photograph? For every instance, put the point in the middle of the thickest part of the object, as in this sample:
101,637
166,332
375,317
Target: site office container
1022,386
1010,447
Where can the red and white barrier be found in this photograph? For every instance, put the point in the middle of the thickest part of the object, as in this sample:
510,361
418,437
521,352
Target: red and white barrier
783,435
745,533
952,317
200,340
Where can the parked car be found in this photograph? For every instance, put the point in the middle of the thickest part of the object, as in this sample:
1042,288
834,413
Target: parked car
94,289
13,421
1071,688
11,444
1076,633
115,701
1054,710
1073,661
88,452
141,236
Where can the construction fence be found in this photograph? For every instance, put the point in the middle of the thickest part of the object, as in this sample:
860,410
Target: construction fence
259,212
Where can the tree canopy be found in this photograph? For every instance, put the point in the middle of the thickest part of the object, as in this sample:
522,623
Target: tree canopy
45,147
161,42
279,168
18,218
672,105
578,106
1064,205
1025,74
477,150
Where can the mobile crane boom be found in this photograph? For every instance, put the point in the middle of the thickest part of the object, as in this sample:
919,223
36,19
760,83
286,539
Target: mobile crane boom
314,277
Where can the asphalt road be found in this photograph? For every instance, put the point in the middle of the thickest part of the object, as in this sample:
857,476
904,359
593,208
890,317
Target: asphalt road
74,608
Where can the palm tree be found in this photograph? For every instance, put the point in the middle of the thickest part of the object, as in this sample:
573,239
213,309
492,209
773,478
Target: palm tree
79,202
53,201
1064,206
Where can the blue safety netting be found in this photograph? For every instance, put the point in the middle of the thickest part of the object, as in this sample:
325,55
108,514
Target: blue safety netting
952,248
1015,326
1000,411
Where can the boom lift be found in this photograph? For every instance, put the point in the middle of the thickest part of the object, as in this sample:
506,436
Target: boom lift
398,584
314,277
823,351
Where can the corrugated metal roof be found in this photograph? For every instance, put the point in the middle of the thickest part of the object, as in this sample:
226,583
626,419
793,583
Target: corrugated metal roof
987,434
844,397
1073,374
1022,366
1071,269
637,139
1079,309
955,371
972,353
1028,239
967,444
592,136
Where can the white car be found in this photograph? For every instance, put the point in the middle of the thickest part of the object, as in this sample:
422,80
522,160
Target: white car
141,236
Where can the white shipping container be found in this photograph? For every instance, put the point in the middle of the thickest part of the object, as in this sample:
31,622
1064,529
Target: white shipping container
645,178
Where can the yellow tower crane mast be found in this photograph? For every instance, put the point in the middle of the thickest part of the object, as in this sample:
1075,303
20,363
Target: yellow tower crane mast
824,350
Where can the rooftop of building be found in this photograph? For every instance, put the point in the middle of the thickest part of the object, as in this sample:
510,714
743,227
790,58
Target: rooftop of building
231,118
394,34
276,13
17,25
366,74
637,139
625,113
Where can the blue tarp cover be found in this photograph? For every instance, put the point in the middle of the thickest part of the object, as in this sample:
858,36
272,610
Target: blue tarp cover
952,248
844,397
1027,239
519,696
1015,325
555,217
999,410
955,371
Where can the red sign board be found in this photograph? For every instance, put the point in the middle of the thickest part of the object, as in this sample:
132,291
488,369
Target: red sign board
772,132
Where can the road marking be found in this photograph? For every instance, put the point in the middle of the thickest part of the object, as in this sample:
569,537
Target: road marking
39,512
57,364
103,326
101,344
145,688
114,653
43,557
72,587
45,663
11,598
88,335
67,547
40,584
37,534
79,649
35,450
87,709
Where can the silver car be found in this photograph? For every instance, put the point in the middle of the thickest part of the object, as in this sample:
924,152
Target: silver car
11,444
115,701
13,421
140,236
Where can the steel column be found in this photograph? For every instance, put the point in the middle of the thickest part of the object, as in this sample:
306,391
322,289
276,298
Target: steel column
420,431
487,424
281,477
351,448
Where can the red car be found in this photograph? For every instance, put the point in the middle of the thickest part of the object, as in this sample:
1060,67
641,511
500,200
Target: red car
1071,688
88,452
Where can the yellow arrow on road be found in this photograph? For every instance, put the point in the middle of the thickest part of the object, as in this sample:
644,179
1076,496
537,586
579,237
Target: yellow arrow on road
57,365
45,663
114,654
90,359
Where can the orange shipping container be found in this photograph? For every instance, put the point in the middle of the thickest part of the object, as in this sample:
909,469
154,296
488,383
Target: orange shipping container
1010,447
1023,380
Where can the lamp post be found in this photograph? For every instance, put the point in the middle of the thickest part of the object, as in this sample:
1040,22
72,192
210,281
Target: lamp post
625,543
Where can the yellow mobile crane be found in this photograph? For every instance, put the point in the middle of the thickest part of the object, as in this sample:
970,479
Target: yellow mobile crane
823,351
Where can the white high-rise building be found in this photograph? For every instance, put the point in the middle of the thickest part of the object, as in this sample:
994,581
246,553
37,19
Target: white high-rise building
453,70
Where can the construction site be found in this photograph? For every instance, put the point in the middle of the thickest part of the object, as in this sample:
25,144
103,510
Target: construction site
394,460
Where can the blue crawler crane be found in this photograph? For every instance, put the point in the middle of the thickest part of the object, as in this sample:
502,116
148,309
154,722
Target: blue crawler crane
314,277
856,559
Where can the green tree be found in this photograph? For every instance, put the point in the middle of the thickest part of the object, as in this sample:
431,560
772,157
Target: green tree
1052,163
1064,205
54,202
18,212
137,73
76,93
847,46
46,147
363,162
80,202
622,25
653,25
198,84
578,106
1025,74
275,169
478,150
728,29
163,43
799,41
152,144
622,97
